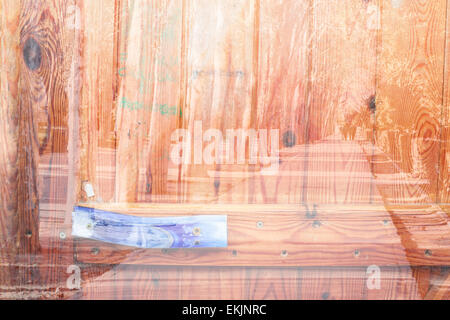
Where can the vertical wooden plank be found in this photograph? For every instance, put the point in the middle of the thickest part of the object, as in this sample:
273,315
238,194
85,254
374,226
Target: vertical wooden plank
316,79
148,107
278,96
9,74
44,52
34,79
342,67
58,162
219,68
409,98
97,21
444,177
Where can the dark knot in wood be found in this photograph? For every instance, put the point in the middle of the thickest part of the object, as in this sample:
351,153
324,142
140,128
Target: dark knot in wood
32,54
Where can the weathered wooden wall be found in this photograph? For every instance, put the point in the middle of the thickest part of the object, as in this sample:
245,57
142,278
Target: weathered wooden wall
137,282
358,88
444,178
39,80
410,86
9,60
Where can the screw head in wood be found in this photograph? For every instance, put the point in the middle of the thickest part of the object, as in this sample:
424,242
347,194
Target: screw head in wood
196,232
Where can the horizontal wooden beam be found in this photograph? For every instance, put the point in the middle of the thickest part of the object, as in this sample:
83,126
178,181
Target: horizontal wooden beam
294,235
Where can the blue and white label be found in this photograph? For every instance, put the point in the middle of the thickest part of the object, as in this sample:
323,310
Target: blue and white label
203,231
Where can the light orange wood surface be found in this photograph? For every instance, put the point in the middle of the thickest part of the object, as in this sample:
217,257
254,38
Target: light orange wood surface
284,235
444,178
138,282
359,91
9,76
409,96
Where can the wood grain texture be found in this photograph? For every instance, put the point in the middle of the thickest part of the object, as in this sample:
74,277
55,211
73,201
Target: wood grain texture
342,62
306,88
9,79
409,96
45,91
336,235
92,91
153,78
352,283
221,63
439,285
271,74
53,25
164,283
444,164
141,282
99,83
